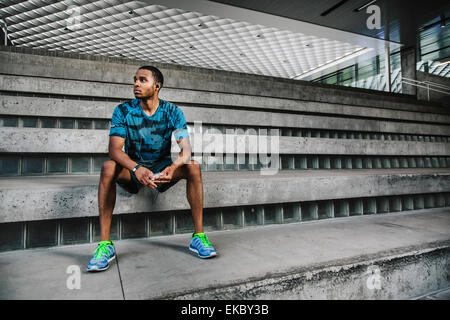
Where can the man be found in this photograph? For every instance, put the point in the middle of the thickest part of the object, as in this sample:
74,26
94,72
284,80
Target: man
144,126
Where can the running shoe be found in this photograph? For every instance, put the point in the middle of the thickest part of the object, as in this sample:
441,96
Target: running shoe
201,245
103,255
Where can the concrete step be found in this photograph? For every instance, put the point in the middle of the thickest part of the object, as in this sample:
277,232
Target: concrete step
44,140
266,112
215,107
442,294
392,256
104,71
70,196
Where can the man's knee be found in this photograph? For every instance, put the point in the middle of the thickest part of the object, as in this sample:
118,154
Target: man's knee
193,168
109,170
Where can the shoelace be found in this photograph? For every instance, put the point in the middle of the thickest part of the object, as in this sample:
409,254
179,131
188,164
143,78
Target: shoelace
205,240
101,250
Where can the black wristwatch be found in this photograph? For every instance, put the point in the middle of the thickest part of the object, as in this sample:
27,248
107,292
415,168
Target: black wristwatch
135,168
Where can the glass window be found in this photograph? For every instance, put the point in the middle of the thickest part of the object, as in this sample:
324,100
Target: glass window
57,165
287,162
33,165
214,162
133,225
231,218
356,207
230,162
309,211
9,165
252,216
101,124
160,224
29,122
74,231
67,123
9,121
211,219
325,209
84,124
42,233
80,164
290,213
98,162
11,236
48,123
341,208
183,222
114,234
271,214
243,161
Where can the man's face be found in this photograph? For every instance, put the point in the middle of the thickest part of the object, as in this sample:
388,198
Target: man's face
144,84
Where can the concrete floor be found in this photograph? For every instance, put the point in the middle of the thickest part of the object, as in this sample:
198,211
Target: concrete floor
443,294
163,267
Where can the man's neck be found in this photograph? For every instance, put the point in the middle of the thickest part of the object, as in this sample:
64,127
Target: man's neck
149,105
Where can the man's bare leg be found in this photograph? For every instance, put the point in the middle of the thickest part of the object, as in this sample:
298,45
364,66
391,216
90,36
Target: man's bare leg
194,191
111,172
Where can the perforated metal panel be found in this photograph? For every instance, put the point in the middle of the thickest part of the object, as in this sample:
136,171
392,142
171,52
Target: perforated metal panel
133,29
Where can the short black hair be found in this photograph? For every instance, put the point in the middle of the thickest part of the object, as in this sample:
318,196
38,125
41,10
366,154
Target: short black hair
157,74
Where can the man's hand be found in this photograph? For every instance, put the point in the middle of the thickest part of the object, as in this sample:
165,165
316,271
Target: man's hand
166,175
145,176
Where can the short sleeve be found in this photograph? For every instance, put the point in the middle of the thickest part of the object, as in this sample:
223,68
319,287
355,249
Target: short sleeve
118,127
180,130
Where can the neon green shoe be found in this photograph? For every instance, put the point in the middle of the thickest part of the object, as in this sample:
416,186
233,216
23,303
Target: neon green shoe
201,245
103,255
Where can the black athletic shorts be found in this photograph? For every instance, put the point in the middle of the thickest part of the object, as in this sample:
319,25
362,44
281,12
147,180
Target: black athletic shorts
134,185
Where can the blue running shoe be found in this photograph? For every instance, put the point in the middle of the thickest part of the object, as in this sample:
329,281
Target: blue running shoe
103,255
201,245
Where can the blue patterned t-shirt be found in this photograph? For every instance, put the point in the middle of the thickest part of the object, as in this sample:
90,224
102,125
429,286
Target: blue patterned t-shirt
148,139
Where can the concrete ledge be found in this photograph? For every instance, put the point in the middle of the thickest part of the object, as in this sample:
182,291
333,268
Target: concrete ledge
52,107
205,110
56,197
398,276
40,140
54,64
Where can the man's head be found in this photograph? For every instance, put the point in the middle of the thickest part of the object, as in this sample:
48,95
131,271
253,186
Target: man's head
148,81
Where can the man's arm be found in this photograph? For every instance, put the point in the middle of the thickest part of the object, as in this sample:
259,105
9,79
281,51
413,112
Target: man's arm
115,153
185,154
184,157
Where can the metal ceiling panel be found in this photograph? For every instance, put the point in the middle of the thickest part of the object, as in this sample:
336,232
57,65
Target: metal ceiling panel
138,30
